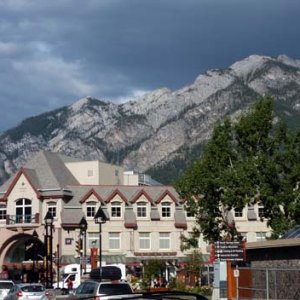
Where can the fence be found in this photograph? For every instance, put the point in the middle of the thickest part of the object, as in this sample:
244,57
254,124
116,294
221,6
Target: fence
268,283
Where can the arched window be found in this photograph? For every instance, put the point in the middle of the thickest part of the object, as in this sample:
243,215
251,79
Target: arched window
23,211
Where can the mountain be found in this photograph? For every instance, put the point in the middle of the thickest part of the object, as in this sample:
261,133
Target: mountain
161,132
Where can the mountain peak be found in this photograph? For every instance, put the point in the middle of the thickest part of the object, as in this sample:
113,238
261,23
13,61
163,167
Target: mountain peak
162,128
249,64
77,106
289,61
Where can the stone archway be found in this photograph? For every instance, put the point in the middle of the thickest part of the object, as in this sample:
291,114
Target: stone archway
23,254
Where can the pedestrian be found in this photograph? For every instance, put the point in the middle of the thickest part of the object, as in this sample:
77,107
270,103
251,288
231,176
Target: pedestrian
156,281
70,284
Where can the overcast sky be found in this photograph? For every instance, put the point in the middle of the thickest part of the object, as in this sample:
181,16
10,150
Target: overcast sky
53,53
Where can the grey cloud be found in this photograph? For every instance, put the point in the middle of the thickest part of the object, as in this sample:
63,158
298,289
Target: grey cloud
55,52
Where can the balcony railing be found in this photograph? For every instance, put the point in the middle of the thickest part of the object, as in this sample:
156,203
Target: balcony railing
22,219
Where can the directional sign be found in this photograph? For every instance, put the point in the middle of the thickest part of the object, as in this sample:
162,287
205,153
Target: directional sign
232,251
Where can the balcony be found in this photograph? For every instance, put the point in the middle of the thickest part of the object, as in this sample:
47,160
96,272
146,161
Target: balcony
17,221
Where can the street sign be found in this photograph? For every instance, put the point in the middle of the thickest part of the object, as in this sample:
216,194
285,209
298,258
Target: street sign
236,273
230,251
85,259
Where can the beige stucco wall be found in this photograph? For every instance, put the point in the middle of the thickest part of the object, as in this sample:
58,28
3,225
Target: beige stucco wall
129,237
96,172
130,178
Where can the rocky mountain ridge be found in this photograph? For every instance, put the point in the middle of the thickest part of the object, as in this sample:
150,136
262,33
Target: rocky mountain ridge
163,129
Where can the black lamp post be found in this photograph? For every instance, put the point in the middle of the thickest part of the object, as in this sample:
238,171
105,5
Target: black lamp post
48,243
83,227
100,218
35,239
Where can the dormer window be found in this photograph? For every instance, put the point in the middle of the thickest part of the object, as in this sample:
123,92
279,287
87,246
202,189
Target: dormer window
166,209
116,209
260,207
238,212
91,209
141,209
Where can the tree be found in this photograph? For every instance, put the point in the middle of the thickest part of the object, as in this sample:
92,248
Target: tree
151,269
248,160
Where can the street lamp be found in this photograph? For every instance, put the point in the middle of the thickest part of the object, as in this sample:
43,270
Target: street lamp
35,239
100,218
83,227
48,243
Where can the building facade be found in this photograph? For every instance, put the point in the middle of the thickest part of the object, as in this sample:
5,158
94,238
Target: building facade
144,221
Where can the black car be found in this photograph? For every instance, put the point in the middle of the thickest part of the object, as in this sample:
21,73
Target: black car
169,295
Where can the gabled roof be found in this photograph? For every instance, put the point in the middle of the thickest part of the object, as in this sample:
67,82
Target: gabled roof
51,170
114,193
164,194
89,193
31,177
139,194
45,172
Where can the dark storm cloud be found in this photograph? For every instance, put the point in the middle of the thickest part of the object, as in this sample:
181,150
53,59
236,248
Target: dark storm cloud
55,52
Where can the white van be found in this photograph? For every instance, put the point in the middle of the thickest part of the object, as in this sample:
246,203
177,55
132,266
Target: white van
67,272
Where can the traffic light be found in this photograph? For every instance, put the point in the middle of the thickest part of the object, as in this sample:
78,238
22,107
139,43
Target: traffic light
79,246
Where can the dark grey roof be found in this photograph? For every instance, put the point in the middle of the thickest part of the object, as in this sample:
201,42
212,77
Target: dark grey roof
71,216
293,233
50,171
154,214
180,219
130,218
128,191
251,214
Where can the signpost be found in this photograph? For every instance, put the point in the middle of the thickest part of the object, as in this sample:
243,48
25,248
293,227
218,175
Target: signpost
230,251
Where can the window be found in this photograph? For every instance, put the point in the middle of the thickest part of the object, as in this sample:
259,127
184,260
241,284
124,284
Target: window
260,236
90,173
114,240
91,208
2,212
189,214
116,209
260,209
23,211
93,239
51,206
166,210
144,240
164,240
238,212
142,209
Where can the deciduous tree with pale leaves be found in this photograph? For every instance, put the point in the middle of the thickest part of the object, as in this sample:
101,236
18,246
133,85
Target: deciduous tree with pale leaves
248,160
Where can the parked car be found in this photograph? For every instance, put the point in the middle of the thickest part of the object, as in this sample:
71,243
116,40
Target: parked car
5,286
104,290
28,291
